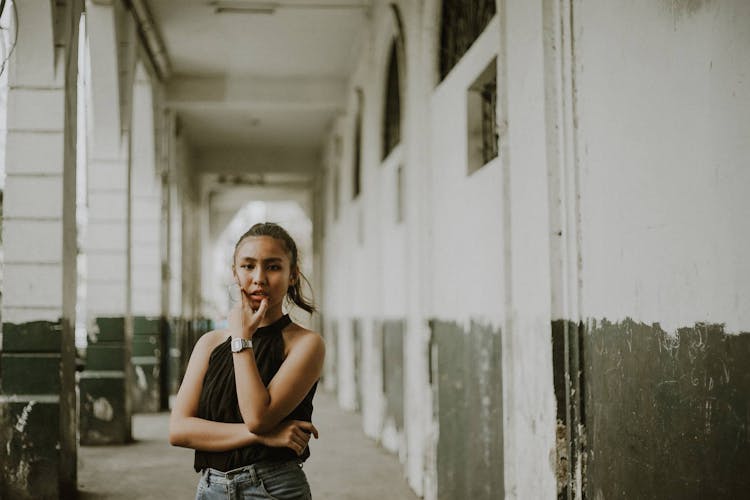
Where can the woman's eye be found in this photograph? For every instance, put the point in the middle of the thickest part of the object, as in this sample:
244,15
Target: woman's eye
274,268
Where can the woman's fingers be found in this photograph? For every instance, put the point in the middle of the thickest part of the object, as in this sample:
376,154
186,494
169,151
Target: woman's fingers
299,442
251,318
309,427
261,310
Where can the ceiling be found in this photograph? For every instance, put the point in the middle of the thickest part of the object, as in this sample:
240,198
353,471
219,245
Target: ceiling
250,80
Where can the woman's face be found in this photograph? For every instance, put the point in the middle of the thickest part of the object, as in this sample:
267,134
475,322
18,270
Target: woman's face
262,268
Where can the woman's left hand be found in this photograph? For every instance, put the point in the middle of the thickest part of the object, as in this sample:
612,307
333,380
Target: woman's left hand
243,320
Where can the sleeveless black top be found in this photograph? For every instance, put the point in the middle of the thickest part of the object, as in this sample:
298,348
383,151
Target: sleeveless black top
218,399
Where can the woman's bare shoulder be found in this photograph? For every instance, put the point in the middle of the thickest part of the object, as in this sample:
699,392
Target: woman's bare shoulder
211,340
297,336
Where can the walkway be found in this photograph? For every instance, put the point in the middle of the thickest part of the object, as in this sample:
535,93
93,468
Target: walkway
344,464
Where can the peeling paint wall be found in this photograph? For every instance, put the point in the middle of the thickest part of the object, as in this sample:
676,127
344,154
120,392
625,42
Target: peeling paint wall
385,271
371,259
618,192
662,101
467,381
38,447
666,414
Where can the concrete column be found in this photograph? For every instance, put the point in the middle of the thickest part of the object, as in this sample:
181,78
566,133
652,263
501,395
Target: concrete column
528,394
145,246
179,350
105,405
105,402
37,360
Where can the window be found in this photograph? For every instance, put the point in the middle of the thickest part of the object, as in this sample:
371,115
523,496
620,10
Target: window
336,177
392,121
462,21
400,194
357,174
481,102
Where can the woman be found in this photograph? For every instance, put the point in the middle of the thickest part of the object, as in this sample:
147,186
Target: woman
245,403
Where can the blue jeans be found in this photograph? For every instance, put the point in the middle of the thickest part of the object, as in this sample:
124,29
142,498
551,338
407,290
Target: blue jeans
264,480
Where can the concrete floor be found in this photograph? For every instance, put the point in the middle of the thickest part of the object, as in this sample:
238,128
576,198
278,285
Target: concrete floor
344,463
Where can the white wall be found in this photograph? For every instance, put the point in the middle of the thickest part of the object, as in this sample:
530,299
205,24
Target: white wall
664,153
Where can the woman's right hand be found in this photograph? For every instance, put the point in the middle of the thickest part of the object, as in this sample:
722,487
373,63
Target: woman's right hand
292,434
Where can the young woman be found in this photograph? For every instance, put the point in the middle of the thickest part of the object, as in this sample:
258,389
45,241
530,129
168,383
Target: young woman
245,403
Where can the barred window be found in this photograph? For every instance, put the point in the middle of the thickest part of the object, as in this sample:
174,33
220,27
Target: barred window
488,92
400,194
357,174
462,21
336,177
392,116
481,107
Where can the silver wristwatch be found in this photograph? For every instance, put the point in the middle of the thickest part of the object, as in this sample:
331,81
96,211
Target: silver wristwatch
241,344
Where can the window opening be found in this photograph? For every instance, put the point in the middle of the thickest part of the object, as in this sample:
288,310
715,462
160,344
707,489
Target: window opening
392,121
336,177
400,194
483,137
358,145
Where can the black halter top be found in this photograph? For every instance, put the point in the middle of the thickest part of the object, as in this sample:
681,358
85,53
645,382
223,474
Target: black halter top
218,399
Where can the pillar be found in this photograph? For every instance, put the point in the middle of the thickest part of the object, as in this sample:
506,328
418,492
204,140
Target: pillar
38,453
145,245
105,402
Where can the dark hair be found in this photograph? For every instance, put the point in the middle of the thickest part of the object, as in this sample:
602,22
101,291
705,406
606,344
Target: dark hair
294,293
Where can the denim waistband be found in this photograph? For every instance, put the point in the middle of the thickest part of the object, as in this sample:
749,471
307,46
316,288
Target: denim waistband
248,472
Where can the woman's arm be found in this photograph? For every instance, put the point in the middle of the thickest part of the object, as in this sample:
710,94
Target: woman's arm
263,408
189,431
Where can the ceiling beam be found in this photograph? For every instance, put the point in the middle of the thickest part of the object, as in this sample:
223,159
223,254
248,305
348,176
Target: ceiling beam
194,93
257,160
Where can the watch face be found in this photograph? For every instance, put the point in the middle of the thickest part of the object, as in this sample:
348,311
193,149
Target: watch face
236,345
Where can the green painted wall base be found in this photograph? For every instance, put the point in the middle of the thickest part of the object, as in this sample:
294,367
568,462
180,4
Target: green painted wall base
665,415
466,377
31,460
146,355
182,335
104,416
393,369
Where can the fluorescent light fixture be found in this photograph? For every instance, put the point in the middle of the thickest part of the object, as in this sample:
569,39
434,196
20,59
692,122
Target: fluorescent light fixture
265,7
238,7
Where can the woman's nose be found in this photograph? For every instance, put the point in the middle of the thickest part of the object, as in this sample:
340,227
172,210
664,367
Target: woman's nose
258,276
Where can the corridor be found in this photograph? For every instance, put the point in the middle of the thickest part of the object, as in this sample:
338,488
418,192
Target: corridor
344,464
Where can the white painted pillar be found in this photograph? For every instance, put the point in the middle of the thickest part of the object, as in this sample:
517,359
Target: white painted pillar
38,399
108,256
175,252
528,395
149,342
106,246
418,412
146,204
